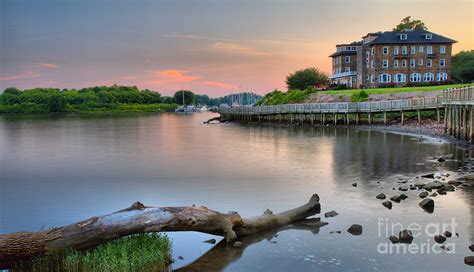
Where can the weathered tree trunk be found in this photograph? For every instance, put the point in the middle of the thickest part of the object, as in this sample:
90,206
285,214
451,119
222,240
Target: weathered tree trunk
142,219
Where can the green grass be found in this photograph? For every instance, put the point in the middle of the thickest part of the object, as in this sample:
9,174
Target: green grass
357,95
396,90
141,252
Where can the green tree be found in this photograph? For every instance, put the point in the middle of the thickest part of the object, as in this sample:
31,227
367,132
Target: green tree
188,97
463,66
408,23
303,79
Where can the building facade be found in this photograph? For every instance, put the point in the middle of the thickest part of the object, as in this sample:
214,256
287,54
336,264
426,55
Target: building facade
393,58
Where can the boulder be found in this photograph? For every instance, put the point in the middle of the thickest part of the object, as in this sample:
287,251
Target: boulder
403,196
405,236
387,204
396,199
439,239
434,195
355,229
394,239
433,185
380,196
471,247
430,176
469,260
403,188
441,159
210,241
448,234
237,244
354,184
419,184
427,204
423,194
330,214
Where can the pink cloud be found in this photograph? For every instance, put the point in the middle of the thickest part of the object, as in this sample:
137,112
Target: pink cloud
23,75
219,84
48,65
170,77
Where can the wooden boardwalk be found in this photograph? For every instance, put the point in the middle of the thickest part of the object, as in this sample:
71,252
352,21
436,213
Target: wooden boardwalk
456,103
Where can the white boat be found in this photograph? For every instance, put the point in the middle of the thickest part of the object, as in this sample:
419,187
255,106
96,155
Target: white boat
202,109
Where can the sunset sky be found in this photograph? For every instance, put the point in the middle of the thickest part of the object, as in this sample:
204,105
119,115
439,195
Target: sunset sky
211,47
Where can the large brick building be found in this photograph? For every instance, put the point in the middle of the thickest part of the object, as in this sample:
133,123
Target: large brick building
395,58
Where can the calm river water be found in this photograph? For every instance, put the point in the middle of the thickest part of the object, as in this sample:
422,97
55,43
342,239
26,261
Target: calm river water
56,170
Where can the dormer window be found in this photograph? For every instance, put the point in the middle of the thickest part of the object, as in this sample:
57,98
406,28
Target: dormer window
403,36
429,36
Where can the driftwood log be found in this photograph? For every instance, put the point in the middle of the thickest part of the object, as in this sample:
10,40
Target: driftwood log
138,218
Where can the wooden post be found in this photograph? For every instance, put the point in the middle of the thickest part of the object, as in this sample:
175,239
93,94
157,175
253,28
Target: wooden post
335,119
384,117
419,116
370,118
291,119
438,115
471,129
357,118
347,119
465,131
312,119
403,118
323,119
446,115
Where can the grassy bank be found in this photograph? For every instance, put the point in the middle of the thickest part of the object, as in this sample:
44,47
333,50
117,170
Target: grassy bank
142,252
32,108
357,95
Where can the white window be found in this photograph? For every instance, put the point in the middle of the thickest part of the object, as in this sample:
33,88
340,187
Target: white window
420,62
385,78
395,63
367,77
347,69
395,50
442,62
385,64
415,77
427,77
429,36
385,50
412,63
372,51
420,48
404,50
399,78
404,63
372,79
442,49
403,36
347,59
441,77
372,64
429,49
429,63
412,49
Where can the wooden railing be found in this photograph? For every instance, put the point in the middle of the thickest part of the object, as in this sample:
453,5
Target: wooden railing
466,95
459,96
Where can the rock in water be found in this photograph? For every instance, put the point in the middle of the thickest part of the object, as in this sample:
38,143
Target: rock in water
330,214
403,188
403,196
423,194
441,159
210,241
237,244
355,229
354,184
396,199
469,260
427,204
387,204
439,239
394,239
448,234
381,196
471,247
405,236
431,176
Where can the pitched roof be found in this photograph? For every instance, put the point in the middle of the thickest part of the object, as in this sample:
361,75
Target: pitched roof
413,37
339,53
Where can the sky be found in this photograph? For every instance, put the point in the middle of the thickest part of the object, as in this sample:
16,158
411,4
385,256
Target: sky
213,47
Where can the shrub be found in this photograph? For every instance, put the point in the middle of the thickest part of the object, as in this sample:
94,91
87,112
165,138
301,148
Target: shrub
360,96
